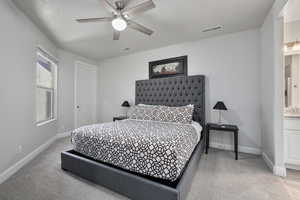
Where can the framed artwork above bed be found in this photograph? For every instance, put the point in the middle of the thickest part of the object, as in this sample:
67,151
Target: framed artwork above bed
168,67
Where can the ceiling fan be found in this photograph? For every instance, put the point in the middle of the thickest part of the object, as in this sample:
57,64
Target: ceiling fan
122,15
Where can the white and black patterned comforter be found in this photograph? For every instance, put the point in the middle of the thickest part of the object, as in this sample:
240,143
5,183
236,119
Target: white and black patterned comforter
157,149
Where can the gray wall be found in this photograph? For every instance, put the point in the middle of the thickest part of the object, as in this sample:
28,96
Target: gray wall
271,88
292,31
231,64
267,88
19,40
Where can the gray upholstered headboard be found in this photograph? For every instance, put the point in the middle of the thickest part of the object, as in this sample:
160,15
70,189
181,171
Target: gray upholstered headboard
174,91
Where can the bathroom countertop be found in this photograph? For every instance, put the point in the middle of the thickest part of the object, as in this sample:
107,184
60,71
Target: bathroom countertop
292,112
292,115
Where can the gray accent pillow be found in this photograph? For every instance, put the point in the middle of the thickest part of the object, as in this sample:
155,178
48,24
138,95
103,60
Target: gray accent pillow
183,114
142,112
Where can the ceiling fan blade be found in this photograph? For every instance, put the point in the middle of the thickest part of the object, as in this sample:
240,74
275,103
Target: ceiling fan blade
140,28
116,35
99,19
126,2
109,6
140,8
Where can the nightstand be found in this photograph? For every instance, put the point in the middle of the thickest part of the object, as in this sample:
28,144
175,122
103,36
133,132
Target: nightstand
119,118
224,127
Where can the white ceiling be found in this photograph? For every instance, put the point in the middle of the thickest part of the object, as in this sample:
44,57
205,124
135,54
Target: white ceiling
292,11
173,21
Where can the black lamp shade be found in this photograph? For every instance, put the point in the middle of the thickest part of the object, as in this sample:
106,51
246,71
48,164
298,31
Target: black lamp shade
220,106
125,104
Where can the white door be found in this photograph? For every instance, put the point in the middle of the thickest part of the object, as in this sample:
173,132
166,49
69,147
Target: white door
85,94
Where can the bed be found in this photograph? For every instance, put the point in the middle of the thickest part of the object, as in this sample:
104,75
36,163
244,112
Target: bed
149,160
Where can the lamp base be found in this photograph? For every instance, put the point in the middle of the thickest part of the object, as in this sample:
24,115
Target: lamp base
220,120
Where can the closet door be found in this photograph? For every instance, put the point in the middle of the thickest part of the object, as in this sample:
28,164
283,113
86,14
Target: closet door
85,94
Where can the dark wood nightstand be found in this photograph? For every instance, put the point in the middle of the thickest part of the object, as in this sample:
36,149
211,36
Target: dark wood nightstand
119,118
224,127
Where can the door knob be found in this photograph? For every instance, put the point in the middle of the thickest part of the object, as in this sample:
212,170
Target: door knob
77,107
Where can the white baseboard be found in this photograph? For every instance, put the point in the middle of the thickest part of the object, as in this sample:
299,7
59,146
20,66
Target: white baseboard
242,149
292,166
63,135
292,161
277,170
13,169
17,166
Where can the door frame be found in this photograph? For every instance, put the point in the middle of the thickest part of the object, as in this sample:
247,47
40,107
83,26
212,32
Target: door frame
279,168
75,89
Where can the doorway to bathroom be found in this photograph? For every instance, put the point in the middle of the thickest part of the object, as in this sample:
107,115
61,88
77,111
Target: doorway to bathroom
291,124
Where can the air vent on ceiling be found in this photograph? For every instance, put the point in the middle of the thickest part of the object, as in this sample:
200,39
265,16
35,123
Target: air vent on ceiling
215,28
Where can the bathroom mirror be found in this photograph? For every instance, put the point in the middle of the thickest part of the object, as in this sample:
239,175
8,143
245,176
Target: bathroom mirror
292,83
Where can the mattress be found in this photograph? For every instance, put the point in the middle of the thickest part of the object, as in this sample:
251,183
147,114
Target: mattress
152,148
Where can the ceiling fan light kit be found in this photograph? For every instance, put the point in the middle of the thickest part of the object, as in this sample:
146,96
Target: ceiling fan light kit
122,15
119,24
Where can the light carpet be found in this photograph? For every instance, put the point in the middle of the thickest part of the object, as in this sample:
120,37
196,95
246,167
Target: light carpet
219,177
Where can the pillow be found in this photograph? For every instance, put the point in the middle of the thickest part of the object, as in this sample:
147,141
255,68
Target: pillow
183,114
142,112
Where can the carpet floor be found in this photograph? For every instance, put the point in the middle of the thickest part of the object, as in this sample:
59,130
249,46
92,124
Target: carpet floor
219,177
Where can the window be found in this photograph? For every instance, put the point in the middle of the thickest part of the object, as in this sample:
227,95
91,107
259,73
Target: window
46,72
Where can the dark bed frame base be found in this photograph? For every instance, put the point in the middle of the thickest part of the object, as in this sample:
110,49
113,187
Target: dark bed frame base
129,184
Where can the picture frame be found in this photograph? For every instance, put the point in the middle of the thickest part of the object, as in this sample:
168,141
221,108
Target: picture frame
176,66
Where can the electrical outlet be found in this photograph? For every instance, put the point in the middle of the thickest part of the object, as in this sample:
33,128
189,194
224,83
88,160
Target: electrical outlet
20,149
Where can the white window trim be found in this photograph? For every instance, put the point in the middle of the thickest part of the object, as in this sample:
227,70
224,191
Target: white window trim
40,52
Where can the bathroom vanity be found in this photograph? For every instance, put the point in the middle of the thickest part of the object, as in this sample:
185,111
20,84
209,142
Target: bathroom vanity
292,141
292,110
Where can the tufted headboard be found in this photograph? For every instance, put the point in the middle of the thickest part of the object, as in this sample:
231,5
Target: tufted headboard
174,91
